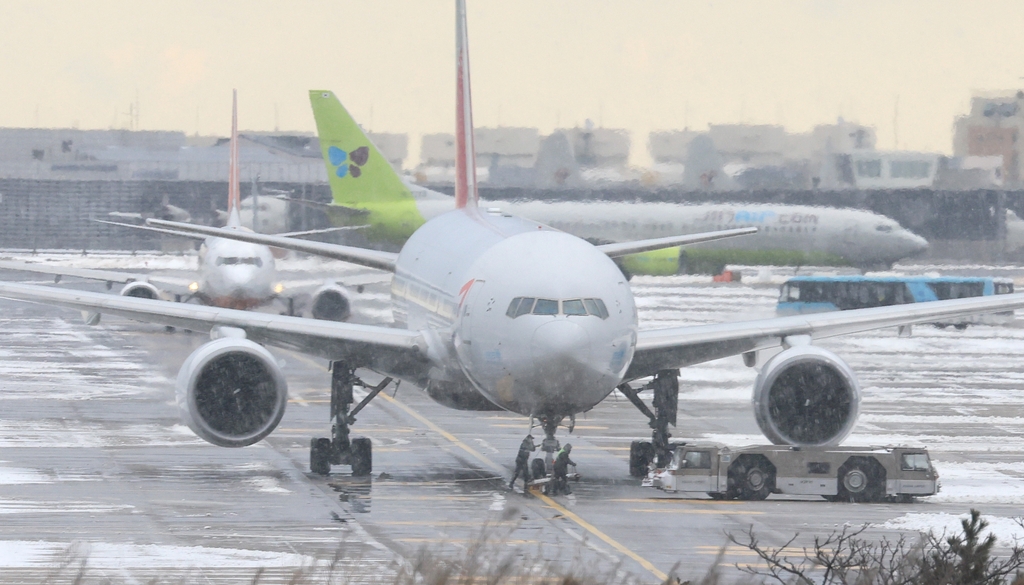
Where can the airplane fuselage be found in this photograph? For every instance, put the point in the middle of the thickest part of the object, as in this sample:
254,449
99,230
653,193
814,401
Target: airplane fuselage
458,276
235,275
857,237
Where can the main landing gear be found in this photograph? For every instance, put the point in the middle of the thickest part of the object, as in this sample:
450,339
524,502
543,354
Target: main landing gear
341,449
666,399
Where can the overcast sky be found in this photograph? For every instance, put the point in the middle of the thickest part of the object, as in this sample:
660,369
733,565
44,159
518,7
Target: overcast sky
633,64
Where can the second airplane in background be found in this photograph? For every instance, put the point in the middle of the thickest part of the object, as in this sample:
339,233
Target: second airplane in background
232,274
367,190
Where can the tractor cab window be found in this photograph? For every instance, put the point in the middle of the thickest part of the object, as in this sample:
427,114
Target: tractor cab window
915,462
697,460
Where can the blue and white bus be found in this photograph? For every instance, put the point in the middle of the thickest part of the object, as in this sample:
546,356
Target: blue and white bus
816,294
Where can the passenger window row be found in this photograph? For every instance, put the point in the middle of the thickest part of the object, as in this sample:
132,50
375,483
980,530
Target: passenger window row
529,305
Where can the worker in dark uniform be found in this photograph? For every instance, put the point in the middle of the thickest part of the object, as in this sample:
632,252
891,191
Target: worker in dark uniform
560,471
522,463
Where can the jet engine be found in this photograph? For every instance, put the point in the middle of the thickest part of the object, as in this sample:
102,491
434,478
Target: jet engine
231,392
141,290
806,396
331,303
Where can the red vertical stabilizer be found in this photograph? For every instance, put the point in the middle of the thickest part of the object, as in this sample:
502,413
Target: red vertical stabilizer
465,149
234,198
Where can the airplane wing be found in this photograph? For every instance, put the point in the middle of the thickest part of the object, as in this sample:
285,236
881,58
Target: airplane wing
153,229
110,276
361,256
635,247
394,352
662,349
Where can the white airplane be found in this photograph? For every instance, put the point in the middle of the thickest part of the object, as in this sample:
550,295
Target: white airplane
498,312
232,274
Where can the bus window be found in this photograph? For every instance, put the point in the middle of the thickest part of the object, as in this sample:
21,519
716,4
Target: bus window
1004,288
915,462
697,460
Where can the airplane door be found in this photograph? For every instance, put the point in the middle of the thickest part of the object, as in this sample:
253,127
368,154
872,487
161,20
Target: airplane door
468,305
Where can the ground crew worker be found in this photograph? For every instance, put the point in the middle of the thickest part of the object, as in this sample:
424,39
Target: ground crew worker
560,471
522,463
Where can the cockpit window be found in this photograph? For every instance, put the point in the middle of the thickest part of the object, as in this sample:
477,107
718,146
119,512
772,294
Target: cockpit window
596,308
526,305
573,307
512,307
545,307
883,228
233,260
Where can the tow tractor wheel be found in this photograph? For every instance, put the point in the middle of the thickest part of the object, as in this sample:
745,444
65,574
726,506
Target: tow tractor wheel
320,456
641,454
751,478
361,456
859,482
537,469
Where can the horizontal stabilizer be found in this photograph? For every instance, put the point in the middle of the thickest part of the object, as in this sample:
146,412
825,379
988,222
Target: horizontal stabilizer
361,256
638,246
341,209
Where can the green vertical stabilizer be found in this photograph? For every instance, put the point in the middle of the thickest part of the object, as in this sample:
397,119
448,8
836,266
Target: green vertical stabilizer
360,177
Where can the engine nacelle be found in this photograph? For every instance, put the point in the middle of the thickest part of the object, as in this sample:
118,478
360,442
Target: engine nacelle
231,392
806,396
141,290
331,303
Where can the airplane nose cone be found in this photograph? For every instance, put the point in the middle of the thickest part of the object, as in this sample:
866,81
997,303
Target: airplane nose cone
559,346
916,243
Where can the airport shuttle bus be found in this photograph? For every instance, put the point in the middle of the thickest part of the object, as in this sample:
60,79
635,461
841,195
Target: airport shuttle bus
846,474
817,294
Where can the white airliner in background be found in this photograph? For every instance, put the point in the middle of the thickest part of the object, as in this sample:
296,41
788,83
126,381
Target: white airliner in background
496,311
232,274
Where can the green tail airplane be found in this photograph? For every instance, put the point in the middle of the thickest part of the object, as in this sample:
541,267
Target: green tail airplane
367,191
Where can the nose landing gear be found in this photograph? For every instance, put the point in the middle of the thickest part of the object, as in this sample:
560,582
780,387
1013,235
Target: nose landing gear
666,400
542,468
340,449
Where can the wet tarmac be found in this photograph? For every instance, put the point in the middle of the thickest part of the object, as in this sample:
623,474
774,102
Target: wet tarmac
92,452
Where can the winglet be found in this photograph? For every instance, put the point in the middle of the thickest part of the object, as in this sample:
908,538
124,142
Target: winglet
234,199
465,148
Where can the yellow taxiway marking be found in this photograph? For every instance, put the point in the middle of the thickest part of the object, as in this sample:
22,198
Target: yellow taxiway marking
697,511
584,427
452,523
607,539
551,503
442,540
679,501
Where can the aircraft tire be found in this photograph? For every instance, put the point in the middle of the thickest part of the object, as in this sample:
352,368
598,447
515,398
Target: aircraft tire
361,456
641,453
320,456
537,468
